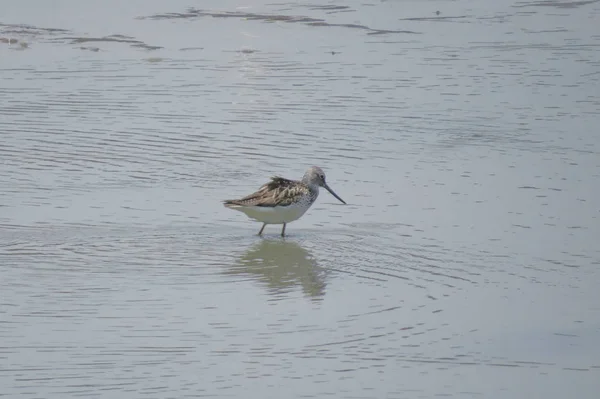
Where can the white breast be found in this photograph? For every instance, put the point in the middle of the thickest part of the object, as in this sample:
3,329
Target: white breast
277,214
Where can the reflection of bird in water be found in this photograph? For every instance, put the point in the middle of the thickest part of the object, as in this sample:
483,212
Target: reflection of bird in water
282,265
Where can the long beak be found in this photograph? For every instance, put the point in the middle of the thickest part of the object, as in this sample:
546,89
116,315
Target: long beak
334,194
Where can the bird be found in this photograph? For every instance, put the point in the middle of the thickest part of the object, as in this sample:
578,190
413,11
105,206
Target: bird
281,200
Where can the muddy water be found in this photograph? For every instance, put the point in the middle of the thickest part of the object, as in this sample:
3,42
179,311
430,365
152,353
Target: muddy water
463,137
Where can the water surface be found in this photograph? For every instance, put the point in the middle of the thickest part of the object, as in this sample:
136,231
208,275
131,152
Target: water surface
462,135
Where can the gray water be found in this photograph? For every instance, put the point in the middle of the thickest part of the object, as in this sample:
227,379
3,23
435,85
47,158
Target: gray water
462,134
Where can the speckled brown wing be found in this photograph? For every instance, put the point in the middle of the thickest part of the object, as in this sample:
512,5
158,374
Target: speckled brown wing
277,192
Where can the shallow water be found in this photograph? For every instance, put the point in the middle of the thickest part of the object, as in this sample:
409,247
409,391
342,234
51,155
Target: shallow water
465,143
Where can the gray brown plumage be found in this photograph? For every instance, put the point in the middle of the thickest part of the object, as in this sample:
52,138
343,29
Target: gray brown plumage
278,192
282,201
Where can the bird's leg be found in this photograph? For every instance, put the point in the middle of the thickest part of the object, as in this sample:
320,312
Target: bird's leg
283,231
261,229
